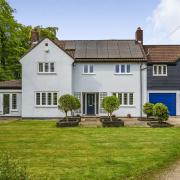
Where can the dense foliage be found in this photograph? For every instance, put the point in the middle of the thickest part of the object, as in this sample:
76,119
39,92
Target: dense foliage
15,41
110,104
160,111
148,109
68,103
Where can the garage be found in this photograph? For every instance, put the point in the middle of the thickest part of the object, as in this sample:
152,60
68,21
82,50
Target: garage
169,99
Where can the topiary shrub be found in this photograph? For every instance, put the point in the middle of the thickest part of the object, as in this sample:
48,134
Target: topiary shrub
160,111
148,109
68,103
110,104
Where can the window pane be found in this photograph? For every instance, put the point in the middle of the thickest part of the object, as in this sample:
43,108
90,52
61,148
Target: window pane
46,67
125,99
117,68
155,69
128,68
122,68
159,69
114,94
120,97
85,68
40,67
43,98
37,98
131,99
54,98
164,69
14,101
49,98
52,67
91,69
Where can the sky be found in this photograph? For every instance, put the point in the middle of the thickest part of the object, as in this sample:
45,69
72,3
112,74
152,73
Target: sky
104,19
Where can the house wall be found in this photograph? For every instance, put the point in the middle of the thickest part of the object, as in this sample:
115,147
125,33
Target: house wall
105,80
16,112
32,82
169,82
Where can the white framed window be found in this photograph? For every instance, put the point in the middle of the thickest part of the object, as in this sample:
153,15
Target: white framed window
46,67
126,98
160,70
14,101
123,69
46,99
102,95
78,96
88,69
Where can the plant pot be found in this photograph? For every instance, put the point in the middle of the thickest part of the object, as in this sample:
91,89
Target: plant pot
72,122
147,119
157,124
116,122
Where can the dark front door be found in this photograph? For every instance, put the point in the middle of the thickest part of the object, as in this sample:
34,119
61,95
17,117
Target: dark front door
6,104
90,104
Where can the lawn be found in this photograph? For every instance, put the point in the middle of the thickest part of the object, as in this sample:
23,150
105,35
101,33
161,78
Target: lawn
89,153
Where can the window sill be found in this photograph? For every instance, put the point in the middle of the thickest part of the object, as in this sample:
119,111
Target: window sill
46,73
165,75
53,106
14,110
88,73
127,106
123,74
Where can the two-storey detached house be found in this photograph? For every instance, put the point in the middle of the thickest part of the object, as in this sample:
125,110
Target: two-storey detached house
89,69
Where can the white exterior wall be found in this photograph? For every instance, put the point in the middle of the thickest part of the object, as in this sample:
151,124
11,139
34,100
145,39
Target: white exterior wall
168,91
105,80
13,112
32,82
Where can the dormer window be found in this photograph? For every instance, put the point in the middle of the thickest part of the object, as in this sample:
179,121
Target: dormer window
159,70
46,67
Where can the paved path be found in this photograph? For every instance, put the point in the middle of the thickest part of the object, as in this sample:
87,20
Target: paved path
172,173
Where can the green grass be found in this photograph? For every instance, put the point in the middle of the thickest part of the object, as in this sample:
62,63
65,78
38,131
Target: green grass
89,153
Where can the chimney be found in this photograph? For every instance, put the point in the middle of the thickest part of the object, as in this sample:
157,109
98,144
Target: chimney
139,35
34,36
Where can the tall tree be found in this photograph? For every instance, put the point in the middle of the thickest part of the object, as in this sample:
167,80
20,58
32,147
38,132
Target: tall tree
15,41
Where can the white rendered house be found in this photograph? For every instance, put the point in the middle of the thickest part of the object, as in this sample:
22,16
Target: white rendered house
88,69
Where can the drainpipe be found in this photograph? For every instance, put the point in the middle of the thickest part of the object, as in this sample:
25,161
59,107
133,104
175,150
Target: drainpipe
141,86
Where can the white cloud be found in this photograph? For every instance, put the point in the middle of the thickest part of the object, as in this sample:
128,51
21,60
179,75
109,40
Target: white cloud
163,26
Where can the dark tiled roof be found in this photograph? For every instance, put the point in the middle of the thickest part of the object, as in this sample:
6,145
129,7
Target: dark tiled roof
162,53
107,50
13,84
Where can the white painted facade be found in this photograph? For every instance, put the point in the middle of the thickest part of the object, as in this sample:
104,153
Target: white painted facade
32,81
69,78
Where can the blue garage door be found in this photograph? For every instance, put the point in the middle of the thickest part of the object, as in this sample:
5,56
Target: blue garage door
169,99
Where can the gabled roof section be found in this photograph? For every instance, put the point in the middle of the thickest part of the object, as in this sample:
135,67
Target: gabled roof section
162,53
12,84
103,50
34,46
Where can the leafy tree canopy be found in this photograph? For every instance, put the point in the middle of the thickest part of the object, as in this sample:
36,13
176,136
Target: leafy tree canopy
15,41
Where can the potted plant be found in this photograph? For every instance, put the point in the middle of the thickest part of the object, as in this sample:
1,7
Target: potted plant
160,111
148,110
110,104
68,103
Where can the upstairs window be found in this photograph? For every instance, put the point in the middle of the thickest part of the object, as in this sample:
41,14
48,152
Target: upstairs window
46,67
88,69
123,69
159,70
